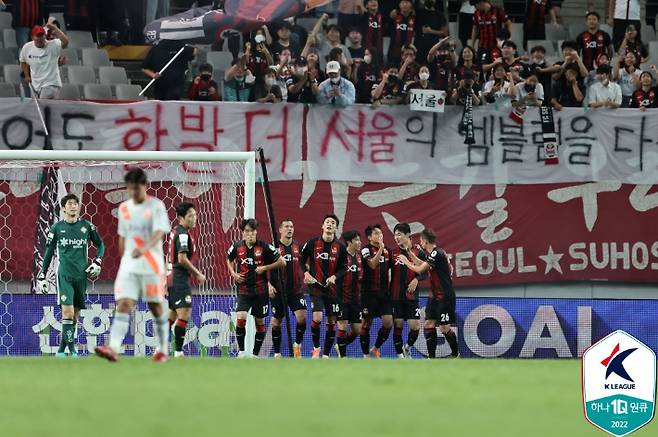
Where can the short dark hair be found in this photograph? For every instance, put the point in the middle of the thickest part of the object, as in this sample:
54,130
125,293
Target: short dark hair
569,44
206,67
596,14
332,216
333,27
538,49
183,208
603,69
354,29
68,197
136,176
285,220
371,228
428,235
348,236
402,227
252,223
509,43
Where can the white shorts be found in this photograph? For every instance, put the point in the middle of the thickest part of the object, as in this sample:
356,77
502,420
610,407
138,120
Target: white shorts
146,286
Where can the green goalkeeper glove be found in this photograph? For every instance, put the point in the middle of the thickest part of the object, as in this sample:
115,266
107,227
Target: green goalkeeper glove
94,269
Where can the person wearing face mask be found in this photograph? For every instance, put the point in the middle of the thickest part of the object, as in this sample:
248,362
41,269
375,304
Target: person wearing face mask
604,93
390,91
443,58
238,82
302,87
336,91
422,82
367,74
203,87
268,91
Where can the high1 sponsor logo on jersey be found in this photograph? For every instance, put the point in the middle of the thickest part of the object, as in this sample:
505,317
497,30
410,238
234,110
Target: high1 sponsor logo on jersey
75,242
619,384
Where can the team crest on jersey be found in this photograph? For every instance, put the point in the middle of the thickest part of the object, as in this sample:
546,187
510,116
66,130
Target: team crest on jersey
63,298
258,252
83,230
334,250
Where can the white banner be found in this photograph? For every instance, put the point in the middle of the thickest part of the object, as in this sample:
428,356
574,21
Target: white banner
153,125
427,100
394,144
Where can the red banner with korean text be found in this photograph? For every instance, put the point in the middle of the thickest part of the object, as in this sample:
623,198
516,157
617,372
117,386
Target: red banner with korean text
495,234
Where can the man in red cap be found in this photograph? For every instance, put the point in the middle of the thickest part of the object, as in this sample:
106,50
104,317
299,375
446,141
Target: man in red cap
39,60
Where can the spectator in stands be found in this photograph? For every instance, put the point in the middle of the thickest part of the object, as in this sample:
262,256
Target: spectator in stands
259,57
203,87
632,42
570,59
336,90
466,62
422,82
410,68
26,14
51,36
298,34
390,91
465,9
499,89
284,69
238,82
373,28
349,14
431,26
539,67
488,21
40,60
593,41
627,76
313,65
604,93
268,91
333,41
535,19
645,96
466,86
283,40
530,92
488,57
81,15
303,86
621,13
355,46
366,75
569,92
403,28
169,84
442,59
510,59
591,76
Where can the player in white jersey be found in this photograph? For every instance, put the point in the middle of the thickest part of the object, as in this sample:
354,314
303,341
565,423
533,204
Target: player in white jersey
143,222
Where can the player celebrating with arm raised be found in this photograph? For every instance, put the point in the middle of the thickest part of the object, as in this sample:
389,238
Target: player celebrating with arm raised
441,303
290,280
143,223
375,296
254,259
404,293
180,293
323,262
70,237
348,291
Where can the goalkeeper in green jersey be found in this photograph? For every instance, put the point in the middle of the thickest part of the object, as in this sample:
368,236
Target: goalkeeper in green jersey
71,238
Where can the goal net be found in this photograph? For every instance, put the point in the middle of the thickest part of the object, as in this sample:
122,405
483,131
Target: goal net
219,184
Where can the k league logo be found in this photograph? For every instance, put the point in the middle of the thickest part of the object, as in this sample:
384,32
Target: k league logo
619,384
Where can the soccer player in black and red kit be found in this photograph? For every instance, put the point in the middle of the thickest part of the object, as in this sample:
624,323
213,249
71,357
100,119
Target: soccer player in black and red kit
324,261
289,281
404,293
254,258
375,295
441,303
348,291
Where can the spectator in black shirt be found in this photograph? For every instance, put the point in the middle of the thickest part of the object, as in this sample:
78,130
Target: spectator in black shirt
569,93
632,43
646,96
409,71
268,91
355,39
431,26
466,86
259,56
541,69
302,87
366,75
422,81
168,86
283,41
443,59
390,91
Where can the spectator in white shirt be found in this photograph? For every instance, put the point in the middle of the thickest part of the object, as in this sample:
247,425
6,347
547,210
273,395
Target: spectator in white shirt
628,77
499,89
604,93
530,92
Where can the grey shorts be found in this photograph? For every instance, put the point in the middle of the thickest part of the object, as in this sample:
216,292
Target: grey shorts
49,92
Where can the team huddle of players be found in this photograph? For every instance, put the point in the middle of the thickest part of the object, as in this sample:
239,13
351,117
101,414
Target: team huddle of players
349,284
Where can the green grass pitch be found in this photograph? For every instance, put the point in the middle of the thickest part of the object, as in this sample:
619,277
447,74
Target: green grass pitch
266,398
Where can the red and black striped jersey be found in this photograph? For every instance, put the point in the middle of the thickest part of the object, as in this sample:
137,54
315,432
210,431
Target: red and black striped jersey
376,280
441,69
489,25
247,259
401,275
180,241
536,11
291,274
458,73
402,32
322,260
374,32
440,275
348,288
592,45
642,99
27,13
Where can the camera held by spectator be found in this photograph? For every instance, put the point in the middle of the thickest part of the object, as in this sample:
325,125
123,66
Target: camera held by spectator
203,87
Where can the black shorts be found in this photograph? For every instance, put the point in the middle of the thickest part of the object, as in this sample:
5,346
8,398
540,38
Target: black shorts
257,303
406,309
442,311
295,302
350,312
180,296
330,305
375,305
